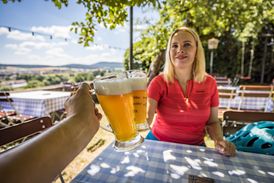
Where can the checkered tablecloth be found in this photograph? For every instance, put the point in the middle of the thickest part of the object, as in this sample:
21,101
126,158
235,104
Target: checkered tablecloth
37,103
248,103
156,161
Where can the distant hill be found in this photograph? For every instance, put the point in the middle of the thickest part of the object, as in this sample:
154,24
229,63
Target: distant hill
99,65
23,66
103,65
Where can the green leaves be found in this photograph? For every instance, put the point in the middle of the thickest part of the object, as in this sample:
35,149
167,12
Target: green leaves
59,3
109,13
237,20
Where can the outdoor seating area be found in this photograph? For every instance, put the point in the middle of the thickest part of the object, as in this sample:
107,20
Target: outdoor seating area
246,98
137,91
239,106
22,106
223,81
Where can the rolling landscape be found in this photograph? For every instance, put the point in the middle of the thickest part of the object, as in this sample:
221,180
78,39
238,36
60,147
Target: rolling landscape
98,65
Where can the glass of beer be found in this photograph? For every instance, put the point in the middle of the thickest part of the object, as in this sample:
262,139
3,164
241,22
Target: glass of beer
138,80
115,97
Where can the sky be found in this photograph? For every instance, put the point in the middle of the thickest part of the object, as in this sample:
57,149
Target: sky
20,47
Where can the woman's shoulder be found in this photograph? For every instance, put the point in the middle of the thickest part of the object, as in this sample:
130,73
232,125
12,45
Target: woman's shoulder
210,78
158,81
159,78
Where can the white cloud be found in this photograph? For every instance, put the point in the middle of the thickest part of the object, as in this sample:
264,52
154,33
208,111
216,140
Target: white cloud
11,46
107,55
28,49
22,51
3,31
98,39
95,48
122,29
18,49
141,27
55,31
35,45
20,36
57,52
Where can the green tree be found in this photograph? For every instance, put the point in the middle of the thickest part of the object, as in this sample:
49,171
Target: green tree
80,77
53,79
34,84
26,77
6,88
40,77
230,21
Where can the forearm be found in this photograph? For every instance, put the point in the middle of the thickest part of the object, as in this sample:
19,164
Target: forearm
150,117
50,152
151,109
215,131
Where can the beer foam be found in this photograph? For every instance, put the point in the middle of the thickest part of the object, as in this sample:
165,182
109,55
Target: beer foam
114,86
138,83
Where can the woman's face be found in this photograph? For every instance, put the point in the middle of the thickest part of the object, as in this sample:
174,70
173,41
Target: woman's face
183,50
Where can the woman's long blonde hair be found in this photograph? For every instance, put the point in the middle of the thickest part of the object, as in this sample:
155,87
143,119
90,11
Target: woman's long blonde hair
198,64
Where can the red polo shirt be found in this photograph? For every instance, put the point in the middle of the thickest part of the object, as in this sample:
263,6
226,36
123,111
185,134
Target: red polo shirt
181,118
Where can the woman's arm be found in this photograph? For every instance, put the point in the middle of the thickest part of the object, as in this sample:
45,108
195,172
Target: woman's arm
213,125
43,157
215,132
151,109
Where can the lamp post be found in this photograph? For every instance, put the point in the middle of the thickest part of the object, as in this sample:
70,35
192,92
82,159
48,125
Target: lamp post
212,45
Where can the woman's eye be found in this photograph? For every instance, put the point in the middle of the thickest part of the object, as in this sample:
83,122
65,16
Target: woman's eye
174,46
187,45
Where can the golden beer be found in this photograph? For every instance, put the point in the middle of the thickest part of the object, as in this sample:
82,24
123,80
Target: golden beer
140,106
139,86
115,97
119,111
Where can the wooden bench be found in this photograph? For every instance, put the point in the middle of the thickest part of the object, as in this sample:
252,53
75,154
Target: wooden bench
235,120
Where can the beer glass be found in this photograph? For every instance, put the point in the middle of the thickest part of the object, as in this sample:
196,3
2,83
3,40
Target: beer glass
115,97
138,82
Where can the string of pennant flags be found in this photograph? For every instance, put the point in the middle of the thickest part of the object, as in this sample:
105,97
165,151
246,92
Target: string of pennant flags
50,36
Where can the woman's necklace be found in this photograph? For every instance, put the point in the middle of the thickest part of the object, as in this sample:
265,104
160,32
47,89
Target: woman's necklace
186,86
187,95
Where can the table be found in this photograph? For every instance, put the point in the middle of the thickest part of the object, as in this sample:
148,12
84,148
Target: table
38,103
247,103
156,161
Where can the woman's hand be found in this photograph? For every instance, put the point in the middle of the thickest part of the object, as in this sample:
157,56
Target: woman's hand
225,147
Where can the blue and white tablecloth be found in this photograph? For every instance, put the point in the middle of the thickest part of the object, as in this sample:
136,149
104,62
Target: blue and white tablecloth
36,103
248,103
156,161
265,104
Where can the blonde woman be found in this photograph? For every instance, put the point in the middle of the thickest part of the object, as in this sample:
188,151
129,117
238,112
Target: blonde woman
185,96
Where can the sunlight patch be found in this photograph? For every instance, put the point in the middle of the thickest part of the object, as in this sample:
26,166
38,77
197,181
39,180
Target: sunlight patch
251,180
220,174
94,169
133,170
104,165
236,172
181,170
194,163
115,170
168,156
125,160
